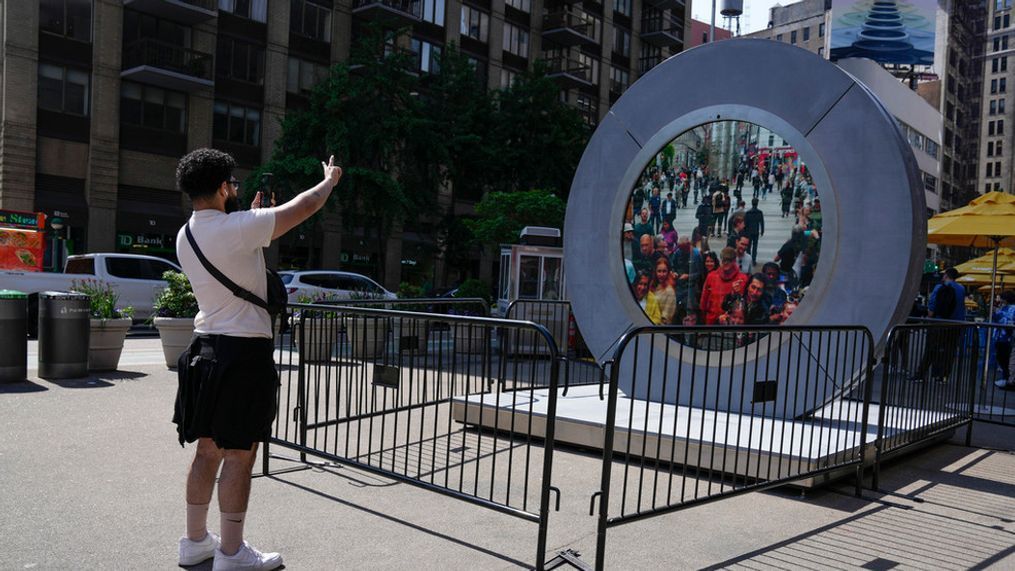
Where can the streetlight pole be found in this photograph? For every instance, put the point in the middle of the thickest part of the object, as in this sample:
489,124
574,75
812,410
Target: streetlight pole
711,26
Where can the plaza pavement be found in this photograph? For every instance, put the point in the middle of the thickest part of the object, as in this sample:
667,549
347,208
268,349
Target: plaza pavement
777,228
92,478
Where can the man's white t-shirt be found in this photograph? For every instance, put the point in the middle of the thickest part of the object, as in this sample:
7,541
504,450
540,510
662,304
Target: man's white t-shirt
232,243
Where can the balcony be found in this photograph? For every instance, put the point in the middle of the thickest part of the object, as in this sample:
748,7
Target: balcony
662,32
568,28
569,72
394,13
665,4
166,65
409,61
187,12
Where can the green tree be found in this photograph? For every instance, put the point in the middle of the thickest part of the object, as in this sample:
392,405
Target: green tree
502,215
538,139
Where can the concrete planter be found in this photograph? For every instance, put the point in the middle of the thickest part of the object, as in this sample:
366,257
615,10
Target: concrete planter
367,336
105,343
319,342
176,333
414,332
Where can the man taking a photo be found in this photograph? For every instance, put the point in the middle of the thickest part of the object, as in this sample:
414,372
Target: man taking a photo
235,406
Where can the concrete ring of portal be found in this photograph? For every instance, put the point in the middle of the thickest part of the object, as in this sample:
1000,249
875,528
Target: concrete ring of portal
874,233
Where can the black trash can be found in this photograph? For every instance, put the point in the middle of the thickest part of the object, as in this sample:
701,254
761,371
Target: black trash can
13,336
64,320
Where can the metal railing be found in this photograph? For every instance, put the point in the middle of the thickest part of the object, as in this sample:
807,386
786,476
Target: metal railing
164,55
568,66
410,7
993,404
573,20
662,23
666,457
434,400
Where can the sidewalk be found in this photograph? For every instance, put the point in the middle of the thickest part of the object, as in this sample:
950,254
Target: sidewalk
93,479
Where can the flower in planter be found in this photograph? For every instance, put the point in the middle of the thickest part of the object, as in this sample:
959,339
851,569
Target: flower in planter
177,300
102,299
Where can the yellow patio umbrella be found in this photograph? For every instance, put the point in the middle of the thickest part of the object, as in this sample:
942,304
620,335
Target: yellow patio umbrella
988,221
985,263
977,279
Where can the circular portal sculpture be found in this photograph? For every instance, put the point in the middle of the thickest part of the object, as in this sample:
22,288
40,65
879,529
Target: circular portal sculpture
874,232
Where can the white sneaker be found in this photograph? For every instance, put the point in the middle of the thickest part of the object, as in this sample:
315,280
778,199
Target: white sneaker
246,558
194,552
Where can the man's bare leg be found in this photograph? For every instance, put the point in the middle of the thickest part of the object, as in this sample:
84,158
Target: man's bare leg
234,491
200,485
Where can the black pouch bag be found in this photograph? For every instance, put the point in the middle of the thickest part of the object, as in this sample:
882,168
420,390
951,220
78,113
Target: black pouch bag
198,374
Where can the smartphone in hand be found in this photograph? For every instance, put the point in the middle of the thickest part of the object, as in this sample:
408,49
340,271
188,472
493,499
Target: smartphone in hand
266,190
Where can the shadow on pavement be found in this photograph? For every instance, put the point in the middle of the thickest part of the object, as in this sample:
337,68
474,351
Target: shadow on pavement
22,387
946,507
403,522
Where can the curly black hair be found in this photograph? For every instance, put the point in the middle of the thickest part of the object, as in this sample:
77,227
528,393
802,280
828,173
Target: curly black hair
200,172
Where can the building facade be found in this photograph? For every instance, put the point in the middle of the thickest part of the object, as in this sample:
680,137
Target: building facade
102,97
804,24
997,114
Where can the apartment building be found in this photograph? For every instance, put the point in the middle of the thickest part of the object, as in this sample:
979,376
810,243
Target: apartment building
997,115
101,97
804,24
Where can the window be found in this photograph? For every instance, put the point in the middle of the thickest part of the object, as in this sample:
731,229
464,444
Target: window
792,37
523,5
595,25
433,12
997,44
507,77
1000,126
592,64
778,37
236,124
428,56
481,69
993,65
63,89
999,149
821,30
821,51
1004,42
1004,63
126,268
807,33
68,18
80,266
993,107
993,86
1000,105
475,23
588,108
153,107
1007,21
930,182
990,128
621,41
990,149
138,26
239,60
310,20
997,22
516,40
620,79
250,9
931,148
303,75
990,170
623,6
704,37
1003,85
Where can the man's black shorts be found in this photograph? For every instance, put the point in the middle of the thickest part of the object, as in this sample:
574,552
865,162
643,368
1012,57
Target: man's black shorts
227,392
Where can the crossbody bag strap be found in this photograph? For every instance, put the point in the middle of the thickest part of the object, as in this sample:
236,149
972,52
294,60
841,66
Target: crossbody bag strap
232,286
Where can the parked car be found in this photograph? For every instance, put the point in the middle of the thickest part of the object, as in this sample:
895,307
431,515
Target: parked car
136,279
325,284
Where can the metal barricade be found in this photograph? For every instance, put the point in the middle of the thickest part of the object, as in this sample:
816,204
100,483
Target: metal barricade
433,400
667,457
556,316
994,404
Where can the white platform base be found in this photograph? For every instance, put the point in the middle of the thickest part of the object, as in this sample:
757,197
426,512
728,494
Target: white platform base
731,443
